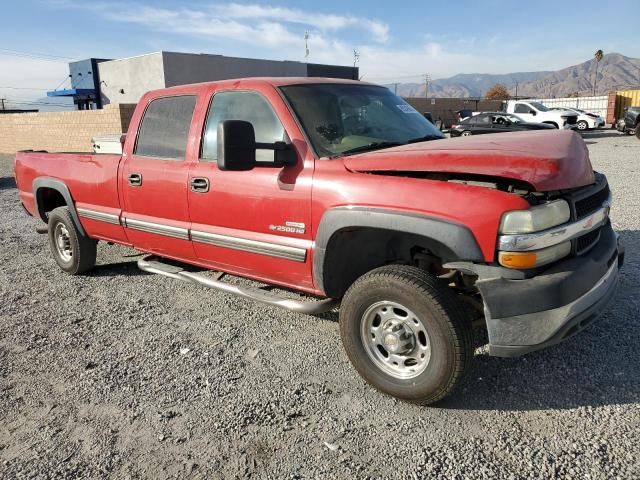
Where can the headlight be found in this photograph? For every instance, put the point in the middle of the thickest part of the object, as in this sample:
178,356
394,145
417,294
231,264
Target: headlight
536,218
535,258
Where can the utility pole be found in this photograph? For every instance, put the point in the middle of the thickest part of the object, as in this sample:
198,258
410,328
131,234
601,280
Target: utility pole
2,100
516,90
306,44
427,79
395,89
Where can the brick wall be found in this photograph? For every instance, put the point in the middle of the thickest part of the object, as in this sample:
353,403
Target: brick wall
61,131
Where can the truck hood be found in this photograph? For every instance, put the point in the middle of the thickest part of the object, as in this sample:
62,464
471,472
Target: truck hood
545,160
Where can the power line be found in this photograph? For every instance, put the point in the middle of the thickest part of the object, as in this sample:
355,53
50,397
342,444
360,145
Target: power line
35,56
24,88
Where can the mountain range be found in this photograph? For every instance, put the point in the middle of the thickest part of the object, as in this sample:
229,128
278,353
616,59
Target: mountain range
615,72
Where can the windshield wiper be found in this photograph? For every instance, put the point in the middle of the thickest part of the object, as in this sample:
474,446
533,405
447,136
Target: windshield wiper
425,138
369,147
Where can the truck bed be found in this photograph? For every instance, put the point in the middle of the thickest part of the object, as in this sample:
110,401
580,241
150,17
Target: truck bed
92,179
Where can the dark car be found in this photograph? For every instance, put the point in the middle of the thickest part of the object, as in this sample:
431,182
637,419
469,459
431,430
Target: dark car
494,122
630,122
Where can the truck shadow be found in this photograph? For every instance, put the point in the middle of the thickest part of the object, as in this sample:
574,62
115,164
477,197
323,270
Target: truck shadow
126,269
599,366
7,182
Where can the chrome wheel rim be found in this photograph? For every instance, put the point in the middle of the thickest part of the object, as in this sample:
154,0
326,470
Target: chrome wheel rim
582,126
466,134
395,339
63,242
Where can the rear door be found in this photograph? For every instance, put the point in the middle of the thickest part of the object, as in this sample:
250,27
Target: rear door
482,124
154,179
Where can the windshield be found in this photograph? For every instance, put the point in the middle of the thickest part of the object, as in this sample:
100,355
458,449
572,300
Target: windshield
513,118
539,106
340,119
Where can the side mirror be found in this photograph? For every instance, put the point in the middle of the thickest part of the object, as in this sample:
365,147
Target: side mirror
237,148
533,112
236,145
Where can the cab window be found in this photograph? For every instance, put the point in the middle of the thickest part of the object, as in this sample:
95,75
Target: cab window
164,129
248,106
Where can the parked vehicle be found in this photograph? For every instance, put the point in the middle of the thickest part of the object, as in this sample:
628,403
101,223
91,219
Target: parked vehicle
586,120
342,191
630,122
537,112
494,122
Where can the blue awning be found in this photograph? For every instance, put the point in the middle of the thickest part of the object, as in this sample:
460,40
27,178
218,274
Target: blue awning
72,92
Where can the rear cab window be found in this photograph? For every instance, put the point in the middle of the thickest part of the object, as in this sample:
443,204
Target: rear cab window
164,129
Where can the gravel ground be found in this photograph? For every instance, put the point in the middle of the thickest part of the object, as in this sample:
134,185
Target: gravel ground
126,375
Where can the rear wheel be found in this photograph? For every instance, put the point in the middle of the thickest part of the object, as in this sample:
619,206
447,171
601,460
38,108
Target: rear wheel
638,132
72,251
466,133
406,333
583,125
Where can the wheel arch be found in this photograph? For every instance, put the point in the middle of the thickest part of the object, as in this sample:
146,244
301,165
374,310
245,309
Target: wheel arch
550,122
354,240
50,193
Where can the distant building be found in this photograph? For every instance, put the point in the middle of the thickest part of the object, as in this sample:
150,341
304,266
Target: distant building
97,82
85,84
16,110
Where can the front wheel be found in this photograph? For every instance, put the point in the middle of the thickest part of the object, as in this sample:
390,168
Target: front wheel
638,132
466,133
73,252
583,125
406,333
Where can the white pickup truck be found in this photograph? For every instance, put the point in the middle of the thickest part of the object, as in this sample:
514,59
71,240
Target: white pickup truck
531,111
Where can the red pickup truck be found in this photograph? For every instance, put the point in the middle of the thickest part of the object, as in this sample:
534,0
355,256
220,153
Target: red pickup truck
342,192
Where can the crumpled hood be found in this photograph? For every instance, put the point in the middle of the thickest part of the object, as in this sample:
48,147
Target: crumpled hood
546,160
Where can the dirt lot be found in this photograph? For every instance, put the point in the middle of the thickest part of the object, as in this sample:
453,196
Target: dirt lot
121,374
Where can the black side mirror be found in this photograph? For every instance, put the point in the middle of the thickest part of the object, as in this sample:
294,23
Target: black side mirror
236,145
533,112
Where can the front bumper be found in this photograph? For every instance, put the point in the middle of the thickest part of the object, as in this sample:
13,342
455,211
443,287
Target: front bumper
530,314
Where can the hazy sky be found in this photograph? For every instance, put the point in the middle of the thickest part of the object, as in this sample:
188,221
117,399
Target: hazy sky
397,41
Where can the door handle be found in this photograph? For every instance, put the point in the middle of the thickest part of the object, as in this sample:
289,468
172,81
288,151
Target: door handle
200,184
135,179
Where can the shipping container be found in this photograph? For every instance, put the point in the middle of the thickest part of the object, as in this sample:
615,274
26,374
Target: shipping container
626,98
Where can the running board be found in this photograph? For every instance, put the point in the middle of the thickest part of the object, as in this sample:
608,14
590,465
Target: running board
152,264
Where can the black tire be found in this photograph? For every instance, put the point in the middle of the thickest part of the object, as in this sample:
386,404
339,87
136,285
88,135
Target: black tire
466,133
79,252
448,327
638,132
583,125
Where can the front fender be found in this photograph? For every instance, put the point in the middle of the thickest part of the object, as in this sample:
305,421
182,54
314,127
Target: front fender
459,241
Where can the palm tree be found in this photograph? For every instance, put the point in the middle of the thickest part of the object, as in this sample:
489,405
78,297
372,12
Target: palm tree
597,56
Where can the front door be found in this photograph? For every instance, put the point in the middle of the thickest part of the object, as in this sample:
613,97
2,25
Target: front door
154,179
254,223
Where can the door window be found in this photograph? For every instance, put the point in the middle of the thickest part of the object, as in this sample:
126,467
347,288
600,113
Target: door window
250,107
522,108
165,127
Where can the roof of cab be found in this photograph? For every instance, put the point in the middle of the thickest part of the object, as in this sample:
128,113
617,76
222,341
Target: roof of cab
273,81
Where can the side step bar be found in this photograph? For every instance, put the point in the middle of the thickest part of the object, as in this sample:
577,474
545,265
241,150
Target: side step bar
152,264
